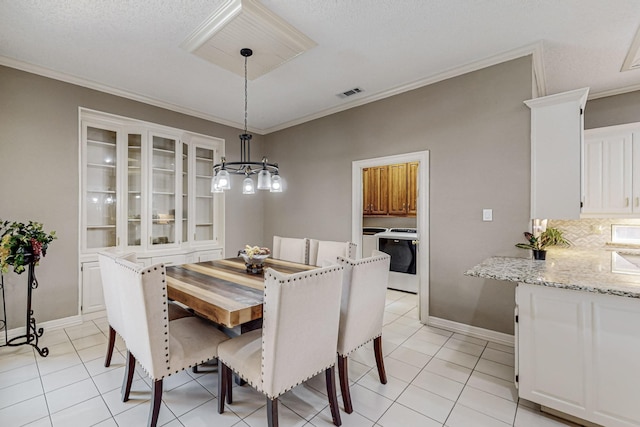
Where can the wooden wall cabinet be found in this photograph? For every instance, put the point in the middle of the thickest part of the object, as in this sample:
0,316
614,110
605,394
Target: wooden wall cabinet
390,190
374,188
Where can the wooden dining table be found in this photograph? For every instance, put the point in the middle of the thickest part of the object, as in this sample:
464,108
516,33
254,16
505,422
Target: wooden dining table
223,291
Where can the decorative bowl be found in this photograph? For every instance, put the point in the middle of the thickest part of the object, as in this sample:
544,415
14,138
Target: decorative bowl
255,263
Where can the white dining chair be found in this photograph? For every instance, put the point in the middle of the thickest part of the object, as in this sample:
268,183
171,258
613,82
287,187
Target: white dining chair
326,251
291,249
297,340
162,348
106,260
364,290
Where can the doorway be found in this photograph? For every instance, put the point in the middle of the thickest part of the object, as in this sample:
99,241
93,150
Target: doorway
422,215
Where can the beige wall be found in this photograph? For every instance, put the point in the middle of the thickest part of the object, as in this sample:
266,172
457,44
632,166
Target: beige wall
39,178
612,110
477,130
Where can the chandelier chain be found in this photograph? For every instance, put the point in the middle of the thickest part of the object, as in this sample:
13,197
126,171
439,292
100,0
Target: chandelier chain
245,94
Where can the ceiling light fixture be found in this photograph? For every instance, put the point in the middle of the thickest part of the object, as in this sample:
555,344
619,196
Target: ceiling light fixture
268,177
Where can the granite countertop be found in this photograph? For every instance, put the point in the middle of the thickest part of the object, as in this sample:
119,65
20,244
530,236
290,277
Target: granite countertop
600,271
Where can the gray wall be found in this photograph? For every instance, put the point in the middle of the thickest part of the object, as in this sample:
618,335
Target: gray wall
39,178
612,110
477,130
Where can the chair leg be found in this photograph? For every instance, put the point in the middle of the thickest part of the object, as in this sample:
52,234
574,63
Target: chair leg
156,400
377,348
128,376
222,386
330,373
272,412
229,382
112,343
343,372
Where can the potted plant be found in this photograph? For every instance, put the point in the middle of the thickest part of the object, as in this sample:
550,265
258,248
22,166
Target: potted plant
550,237
22,244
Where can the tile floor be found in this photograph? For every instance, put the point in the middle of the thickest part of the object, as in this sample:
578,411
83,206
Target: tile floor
435,378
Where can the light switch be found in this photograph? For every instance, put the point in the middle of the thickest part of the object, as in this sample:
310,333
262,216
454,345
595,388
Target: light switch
487,214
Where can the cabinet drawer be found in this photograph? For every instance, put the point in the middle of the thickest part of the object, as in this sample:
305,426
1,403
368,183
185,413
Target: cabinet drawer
209,255
170,259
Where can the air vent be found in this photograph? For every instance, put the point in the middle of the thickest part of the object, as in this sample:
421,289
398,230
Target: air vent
350,92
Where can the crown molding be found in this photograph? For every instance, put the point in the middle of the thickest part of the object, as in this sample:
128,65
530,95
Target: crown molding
532,49
79,81
613,92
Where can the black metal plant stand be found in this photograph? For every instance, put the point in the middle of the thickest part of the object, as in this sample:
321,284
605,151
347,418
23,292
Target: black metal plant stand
32,332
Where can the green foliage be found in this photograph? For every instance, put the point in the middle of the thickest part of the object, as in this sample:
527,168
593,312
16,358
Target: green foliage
19,242
550,237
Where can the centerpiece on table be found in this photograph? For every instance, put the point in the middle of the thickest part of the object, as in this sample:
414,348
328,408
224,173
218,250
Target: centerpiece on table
254,257
22,244
538,244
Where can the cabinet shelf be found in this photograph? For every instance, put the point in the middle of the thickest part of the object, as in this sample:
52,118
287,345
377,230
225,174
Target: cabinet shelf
163,193
163,150
100,227
105,143
204,159
204,224
101,165
102,191
163,170
204,176
204,197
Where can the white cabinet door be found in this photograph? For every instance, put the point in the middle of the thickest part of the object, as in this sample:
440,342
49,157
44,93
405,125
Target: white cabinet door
616,352
608,173
551,341
556,144
92,296
635,181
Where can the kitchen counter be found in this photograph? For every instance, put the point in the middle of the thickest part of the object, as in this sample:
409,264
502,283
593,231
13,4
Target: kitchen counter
599,271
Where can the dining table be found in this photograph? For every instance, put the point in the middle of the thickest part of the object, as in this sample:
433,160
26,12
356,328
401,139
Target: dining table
223,291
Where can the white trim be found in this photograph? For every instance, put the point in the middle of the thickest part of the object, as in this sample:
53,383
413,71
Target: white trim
453,72
90,84
94,315
50,325
534,49
422,219
472,331
613,92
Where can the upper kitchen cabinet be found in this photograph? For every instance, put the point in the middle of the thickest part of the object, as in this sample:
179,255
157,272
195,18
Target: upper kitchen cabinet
374,188
556,142
612,171
390,190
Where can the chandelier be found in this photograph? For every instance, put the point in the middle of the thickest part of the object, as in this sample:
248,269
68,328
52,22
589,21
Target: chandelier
268,177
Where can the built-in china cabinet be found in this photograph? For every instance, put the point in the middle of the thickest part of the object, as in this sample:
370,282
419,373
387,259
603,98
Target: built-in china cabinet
145,188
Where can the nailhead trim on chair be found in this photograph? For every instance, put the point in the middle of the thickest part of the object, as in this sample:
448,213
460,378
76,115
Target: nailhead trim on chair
369,260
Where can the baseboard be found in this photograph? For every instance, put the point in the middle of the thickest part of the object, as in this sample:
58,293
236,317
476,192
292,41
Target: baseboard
95,315
49,325
473,331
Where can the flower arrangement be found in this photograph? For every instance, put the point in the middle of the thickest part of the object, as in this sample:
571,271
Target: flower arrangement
19,242
251,251
254,257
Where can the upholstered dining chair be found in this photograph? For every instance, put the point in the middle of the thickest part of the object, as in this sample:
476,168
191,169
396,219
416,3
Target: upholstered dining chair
106,260
364,290
290,249
162,348
323,251
297,341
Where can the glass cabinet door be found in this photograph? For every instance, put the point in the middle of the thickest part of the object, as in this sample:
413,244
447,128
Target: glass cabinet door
100,187
134,190
163,190
204,227
185,193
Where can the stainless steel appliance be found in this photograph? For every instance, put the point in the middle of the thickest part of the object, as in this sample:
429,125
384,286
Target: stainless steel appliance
400,243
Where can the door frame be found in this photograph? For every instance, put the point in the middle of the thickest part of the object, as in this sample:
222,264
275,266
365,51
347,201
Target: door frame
422,217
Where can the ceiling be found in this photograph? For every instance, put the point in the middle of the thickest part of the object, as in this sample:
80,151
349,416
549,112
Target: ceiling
384,47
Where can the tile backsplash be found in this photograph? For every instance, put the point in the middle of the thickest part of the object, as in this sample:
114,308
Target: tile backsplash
589,233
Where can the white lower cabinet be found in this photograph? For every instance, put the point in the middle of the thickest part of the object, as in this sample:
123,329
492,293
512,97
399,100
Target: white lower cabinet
579,353
92,296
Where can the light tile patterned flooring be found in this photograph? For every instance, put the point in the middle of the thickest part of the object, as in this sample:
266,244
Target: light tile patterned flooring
435,378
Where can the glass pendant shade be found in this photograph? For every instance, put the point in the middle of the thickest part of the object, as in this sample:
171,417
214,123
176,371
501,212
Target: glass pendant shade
215,186
276,184
248,187
264,180
224,180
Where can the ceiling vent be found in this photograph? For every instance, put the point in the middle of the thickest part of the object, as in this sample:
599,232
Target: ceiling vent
239,24
632,61
350,92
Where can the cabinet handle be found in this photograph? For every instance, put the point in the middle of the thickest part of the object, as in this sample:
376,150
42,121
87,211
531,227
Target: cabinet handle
637,201
626,203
